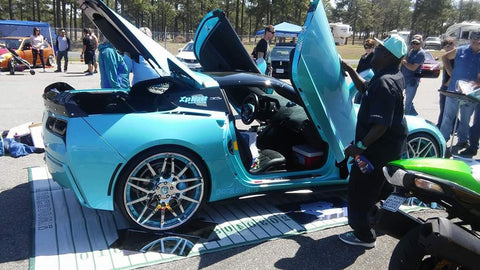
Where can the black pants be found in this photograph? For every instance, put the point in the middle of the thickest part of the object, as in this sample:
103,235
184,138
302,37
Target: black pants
36,52
364,190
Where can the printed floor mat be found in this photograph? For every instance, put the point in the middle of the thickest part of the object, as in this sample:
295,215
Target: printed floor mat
70,236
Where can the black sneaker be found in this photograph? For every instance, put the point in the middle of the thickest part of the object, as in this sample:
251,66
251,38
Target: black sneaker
469,152
459,146
351,239
58,70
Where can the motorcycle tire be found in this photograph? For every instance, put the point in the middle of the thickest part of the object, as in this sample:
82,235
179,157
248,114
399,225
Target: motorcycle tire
408,253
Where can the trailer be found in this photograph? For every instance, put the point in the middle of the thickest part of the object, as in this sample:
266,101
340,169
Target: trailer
340,32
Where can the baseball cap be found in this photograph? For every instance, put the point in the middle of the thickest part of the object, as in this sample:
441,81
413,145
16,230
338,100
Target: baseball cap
416,41
394,44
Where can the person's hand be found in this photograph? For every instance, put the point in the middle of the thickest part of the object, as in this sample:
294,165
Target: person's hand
352,150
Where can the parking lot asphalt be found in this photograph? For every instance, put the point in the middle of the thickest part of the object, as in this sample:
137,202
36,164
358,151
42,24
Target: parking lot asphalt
21,102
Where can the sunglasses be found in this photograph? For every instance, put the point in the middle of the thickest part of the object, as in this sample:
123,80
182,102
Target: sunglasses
367,47
414,43
273,32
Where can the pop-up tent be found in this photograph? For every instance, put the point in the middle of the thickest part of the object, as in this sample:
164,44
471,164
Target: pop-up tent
283,29
13,28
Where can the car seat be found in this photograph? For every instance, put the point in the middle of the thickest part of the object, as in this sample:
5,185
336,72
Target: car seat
267,161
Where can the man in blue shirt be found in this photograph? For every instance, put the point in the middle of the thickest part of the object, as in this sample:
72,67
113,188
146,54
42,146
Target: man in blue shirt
467,68
62,43
411,70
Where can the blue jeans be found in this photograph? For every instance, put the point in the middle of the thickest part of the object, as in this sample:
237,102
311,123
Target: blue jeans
411,86
60,55
475,129
449,116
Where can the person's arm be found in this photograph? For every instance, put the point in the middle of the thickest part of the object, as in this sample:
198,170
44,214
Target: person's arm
447,66
359,82
375,132
410,66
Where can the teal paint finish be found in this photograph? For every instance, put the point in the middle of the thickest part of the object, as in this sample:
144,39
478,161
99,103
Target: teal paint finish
317,76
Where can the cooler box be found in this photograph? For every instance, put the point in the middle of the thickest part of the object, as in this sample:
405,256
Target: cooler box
307,156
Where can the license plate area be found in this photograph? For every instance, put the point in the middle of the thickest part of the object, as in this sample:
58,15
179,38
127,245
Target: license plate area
393,202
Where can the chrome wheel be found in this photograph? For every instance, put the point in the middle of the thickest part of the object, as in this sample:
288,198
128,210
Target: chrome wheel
422,145
163,190
170,245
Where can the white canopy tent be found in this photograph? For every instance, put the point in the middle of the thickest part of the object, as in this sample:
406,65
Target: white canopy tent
283,29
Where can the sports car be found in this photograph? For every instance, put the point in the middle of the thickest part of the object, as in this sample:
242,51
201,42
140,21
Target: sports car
162,149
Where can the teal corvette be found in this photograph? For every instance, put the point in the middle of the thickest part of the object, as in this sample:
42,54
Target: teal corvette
162,149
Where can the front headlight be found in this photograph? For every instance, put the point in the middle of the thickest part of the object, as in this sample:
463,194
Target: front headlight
427,185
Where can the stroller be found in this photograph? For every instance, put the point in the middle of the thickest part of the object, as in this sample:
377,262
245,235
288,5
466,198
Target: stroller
17,63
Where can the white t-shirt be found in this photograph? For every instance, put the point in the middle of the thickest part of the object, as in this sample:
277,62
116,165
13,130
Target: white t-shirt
37,41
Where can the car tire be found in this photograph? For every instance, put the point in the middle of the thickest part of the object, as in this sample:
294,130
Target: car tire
11,66
51,61
162,188
422,144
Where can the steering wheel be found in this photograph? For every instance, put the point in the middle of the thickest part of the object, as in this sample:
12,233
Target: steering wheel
249,108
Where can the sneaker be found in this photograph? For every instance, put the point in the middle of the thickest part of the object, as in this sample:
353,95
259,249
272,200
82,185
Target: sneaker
58,70
469,152
89,74
351,239
459,146
86,71
95,71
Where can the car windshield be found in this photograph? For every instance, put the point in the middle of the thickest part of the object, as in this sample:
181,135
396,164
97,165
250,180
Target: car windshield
281,52
188,47
10,43
429,56
432,39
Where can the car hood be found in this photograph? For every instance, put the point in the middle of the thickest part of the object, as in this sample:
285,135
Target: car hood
128,39
317,76
186,55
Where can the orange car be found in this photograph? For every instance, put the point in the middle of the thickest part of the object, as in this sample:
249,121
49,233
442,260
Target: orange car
23,47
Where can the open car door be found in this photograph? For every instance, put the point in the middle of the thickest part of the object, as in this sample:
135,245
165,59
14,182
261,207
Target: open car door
318,78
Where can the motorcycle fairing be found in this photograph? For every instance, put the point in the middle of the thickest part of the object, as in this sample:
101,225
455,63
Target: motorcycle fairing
452,170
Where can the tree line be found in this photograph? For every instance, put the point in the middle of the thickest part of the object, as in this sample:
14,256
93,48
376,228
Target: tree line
429,17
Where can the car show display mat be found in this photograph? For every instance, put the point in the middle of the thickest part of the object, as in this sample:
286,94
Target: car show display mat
70,236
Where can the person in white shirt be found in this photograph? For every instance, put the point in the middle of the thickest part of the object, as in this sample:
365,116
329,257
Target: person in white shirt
38,42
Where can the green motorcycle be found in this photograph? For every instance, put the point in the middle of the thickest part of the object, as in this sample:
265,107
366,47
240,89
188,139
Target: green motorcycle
436,243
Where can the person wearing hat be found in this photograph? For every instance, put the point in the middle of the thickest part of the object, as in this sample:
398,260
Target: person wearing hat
380,136
411,69
467,68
